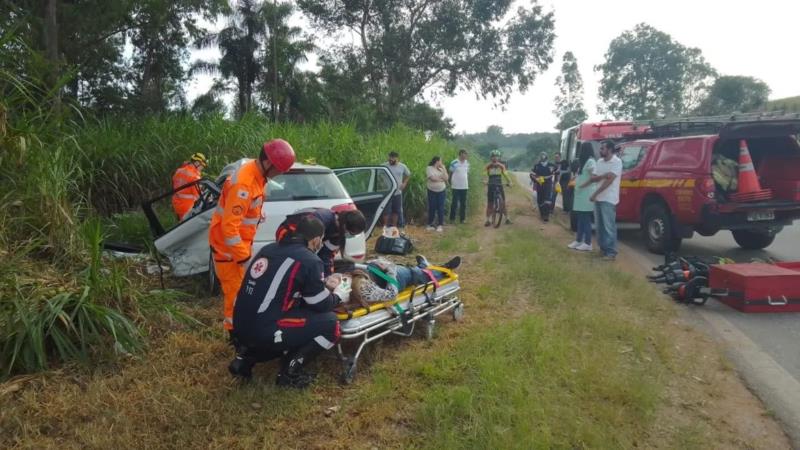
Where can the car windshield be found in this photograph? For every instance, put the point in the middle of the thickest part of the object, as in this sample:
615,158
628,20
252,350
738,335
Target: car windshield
304,186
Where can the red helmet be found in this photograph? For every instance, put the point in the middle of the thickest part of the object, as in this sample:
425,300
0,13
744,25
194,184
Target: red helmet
279,153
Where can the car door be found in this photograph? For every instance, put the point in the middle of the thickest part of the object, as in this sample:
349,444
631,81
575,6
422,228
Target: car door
184,243
371,188
632,156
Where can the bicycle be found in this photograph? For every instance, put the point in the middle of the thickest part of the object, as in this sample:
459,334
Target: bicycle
498,206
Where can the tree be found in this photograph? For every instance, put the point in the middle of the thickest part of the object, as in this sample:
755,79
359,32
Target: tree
731,94
405,48
160,33
239,43
494,132
569,101
422,116
285,48
646,74
211,103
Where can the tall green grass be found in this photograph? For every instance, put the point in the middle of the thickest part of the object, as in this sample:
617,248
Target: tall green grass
69,182
123,162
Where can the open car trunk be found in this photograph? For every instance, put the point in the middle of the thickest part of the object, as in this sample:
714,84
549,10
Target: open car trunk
776,160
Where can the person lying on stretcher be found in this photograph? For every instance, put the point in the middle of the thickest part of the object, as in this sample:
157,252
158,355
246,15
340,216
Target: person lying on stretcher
383,280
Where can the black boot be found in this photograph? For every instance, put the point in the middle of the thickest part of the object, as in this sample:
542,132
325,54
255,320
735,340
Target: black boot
453,263
242,367
292,373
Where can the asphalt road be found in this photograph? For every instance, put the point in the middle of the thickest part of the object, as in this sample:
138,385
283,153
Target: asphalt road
765,348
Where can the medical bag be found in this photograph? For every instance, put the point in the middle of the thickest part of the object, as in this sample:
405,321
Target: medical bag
398,245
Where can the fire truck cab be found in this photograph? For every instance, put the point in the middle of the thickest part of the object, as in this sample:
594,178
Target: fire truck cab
594,132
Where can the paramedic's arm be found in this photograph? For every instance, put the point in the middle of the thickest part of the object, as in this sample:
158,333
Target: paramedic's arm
316,295
236,204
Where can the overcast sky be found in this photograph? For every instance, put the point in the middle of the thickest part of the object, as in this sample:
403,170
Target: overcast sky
751,38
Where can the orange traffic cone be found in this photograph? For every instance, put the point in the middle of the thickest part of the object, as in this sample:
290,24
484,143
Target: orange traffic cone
749,187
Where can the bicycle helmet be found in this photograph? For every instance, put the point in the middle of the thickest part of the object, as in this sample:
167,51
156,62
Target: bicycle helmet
497,153
201,158
279,153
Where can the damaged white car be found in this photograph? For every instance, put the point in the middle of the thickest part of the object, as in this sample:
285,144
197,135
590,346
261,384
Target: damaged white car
367,188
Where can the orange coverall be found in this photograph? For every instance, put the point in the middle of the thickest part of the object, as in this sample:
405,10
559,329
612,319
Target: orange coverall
183,200
233,227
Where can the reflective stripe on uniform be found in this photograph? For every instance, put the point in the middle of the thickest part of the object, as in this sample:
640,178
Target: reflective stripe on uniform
187,196
185,172
252,221
276,283
235,177
233,240
257,202
323,342
314,299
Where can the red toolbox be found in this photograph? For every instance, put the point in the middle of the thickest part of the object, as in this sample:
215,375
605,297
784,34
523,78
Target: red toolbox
757,287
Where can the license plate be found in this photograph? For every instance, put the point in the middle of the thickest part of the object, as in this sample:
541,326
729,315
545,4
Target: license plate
757,216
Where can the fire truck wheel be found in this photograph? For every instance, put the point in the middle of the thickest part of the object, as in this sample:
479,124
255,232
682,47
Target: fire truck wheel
659,232
753,239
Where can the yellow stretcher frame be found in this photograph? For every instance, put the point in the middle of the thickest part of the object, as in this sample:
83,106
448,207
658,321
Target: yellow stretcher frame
420,302
403,296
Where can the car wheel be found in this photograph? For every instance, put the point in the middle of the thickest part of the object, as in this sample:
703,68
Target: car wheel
659,230
753,239
213,282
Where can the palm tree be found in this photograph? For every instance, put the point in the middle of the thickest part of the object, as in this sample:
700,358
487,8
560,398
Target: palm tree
286,48
239,43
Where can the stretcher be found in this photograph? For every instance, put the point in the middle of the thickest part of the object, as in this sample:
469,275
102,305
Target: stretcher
421,302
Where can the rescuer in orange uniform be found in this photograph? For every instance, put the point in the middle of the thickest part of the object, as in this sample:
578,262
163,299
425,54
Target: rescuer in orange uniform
189,171
234,222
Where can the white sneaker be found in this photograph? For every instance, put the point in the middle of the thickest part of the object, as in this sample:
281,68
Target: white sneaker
430,228
584,247
574,245
439,228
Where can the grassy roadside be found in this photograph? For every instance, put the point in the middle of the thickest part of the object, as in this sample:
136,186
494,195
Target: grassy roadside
556,350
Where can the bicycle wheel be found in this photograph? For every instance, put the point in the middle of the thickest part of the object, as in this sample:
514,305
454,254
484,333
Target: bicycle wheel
499,210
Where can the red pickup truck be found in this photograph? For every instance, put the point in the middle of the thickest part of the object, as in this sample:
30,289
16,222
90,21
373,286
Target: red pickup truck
667,185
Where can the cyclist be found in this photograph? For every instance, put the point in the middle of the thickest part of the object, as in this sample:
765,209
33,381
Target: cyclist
496,172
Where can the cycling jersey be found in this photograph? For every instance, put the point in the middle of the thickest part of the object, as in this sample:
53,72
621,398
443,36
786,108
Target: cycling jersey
496,172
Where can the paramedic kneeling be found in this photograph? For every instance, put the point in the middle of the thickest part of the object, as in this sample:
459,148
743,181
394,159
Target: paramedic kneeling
284,307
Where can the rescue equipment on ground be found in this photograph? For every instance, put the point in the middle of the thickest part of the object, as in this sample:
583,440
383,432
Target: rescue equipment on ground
392,242
748,287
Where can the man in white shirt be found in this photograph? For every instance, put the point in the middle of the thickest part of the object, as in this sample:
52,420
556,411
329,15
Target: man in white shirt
459,183
607,172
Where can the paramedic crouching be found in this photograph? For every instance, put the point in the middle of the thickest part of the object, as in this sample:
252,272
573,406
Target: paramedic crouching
284,307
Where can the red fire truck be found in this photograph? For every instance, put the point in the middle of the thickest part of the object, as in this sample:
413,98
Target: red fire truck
595,132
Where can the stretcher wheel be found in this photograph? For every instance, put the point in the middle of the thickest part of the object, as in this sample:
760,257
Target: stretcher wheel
349,372
430,329
458,312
